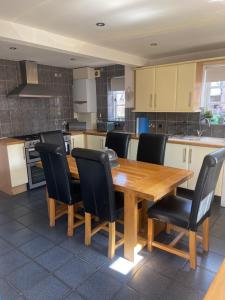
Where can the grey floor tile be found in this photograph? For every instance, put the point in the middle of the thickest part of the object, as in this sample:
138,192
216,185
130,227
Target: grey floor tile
178,291
126,293
217,245
149,283
197,279
21,237
5,247
10,228
75,272
11,261
17,212
27,276
36,246
32,217
99,286
7,292
73,245
48,289
211,261
4,219
218,231
74,296
54,258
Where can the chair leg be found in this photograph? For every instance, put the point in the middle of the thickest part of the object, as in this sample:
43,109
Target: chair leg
112,239
192,249
70,228
168,228
51,205
205,237
87,229
150,233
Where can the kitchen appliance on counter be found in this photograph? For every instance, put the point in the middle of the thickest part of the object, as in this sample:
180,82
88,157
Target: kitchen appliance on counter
36,176
76,125
142,125
105,126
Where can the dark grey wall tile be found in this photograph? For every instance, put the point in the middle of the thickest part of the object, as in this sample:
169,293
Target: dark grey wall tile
24,116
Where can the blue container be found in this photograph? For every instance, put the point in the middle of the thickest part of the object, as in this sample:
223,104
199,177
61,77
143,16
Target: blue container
142,125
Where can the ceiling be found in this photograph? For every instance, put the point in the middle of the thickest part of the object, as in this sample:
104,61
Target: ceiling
47,57
177,26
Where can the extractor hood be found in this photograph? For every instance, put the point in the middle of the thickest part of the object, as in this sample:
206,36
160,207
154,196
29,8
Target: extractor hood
30,88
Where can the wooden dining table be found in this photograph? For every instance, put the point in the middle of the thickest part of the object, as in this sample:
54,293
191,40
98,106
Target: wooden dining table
139,180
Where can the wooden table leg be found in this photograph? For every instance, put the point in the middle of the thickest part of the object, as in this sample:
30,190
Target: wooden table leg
130,225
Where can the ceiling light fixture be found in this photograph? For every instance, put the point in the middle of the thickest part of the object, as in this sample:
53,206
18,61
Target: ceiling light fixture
12,48
100,24
154,44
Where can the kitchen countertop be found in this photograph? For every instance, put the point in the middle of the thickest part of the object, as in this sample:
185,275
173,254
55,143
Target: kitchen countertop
185,140
10,141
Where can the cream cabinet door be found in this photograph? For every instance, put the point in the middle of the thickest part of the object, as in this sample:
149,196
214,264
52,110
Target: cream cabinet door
195,158
17,164
78,141
177,156
132,153
165,89
95,142
144,89
186,78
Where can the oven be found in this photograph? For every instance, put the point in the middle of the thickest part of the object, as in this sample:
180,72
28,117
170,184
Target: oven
36,177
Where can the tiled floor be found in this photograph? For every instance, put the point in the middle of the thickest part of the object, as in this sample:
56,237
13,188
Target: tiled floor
37,262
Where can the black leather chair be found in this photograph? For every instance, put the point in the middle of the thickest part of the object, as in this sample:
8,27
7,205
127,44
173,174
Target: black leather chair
119,142
53,137
151,148
60,186
99,197
184,215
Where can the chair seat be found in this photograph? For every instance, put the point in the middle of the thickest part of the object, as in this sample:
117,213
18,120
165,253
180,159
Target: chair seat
173,210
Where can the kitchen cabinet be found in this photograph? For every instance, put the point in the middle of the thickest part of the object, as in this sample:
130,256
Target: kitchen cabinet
145,90
169,88
188,87
165,89
13,168
176,156
77,141
132,151
95,142
191,158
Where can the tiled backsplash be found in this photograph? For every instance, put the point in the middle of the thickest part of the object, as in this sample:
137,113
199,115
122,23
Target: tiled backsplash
19,116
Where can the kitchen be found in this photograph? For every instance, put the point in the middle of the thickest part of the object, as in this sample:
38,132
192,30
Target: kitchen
86,93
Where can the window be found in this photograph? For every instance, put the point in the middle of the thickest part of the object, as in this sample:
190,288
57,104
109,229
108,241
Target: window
214,92
119,105
215,97
116,99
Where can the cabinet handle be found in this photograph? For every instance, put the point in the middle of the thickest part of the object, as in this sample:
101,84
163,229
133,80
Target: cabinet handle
190,156
155,102
150,101
184,154
190,99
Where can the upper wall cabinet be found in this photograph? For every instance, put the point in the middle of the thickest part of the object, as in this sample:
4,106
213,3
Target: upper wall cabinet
165,89
189,78
170,88
145,89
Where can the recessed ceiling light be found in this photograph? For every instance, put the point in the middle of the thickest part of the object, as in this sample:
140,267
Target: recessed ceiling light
72,58
12,48
213,1
154,44
100,24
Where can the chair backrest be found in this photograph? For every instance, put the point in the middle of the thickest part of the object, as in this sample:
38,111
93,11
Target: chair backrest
151,148
205,187
96,183
55,167
53,137
119,142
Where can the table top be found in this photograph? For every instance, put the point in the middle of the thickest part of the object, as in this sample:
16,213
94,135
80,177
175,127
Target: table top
148,181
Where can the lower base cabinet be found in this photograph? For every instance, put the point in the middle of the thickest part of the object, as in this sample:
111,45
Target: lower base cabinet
78,141
95,142
190,157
